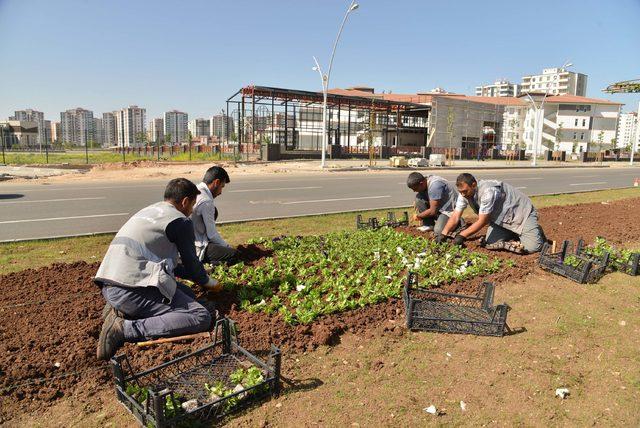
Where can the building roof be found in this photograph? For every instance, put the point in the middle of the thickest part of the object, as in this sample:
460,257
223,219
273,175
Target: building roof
575,99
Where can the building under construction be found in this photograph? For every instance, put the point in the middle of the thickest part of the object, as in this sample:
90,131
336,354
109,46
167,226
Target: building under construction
292,119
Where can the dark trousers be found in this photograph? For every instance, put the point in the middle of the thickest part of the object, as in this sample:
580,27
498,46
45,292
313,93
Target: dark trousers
150,315
218,254
439,221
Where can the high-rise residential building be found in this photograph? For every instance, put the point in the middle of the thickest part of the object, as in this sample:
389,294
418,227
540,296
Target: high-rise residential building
109,129
555,81
176,127
99,132
500,88
56,132
30,115
627,129
77,126
200,127
130,126
156,130
221,125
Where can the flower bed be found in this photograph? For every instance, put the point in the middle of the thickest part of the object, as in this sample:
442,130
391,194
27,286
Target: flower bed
307,277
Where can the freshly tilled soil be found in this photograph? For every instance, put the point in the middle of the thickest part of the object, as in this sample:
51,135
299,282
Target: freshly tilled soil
50,318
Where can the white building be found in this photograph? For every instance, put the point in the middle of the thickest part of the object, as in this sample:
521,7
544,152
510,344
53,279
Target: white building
176,127
56,132
77,126
130,126
221,126
200,127
500,88
571,123
156,130
109,129
99,132
30,115
555,81
627,128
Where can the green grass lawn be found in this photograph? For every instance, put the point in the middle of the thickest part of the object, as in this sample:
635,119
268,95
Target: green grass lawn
101,156
31,254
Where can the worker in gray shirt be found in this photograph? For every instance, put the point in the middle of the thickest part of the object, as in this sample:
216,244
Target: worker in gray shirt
435,200
137,276
510,215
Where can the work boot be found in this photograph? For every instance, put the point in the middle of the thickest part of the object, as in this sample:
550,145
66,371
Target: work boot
111,336
108,308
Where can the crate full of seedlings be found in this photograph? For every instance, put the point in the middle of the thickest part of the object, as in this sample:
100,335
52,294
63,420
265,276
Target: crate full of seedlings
429,310
390,221
572,263
203,386
621,260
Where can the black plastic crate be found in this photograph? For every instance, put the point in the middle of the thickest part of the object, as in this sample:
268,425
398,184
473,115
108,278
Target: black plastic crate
573,263
170,384
371,223
392,221
429,310
374,223
630,267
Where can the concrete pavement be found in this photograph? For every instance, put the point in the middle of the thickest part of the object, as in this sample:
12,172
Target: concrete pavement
30,211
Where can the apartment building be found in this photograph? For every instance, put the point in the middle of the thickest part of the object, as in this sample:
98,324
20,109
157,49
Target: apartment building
130,126
56,132
500,88
156,130
44,128
77,126
99,132
555,81
200,127
221,126
627,129
109,129
19,133
176,127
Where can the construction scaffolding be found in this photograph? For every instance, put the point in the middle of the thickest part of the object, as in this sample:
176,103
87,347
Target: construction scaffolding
293,119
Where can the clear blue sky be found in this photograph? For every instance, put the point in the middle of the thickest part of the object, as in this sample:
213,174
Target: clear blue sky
191,55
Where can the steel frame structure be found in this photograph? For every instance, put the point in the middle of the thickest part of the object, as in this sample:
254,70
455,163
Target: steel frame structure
293,118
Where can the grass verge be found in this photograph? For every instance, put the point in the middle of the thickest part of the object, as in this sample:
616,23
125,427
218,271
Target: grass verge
32,254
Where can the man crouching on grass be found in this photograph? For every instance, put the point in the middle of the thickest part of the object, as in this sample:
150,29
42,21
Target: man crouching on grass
136,276
511,218
435,199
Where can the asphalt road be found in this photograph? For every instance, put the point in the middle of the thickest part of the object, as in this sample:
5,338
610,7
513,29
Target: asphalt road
30,211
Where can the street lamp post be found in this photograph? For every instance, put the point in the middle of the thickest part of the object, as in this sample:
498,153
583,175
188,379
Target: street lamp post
325,82
4,161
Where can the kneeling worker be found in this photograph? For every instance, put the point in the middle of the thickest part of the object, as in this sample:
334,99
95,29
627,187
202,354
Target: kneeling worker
137,279
435,199
210,246
509,213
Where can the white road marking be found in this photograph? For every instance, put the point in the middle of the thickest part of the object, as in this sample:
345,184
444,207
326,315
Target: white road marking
46,188
521,187
587,184
585,176
273,189
62,218
334,200
524,178
53,200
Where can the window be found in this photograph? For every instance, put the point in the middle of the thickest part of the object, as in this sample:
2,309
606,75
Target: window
575,135
582,135
584,122
576,123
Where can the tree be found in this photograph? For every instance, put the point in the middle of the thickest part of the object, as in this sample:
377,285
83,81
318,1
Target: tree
451,118
190,137
514,124
558,137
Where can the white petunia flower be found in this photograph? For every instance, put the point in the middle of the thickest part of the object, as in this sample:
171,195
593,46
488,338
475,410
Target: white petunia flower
300,287
399,250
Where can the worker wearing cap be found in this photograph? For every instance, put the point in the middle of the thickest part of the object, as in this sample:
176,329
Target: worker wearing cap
210,246
435,199
137,276
509,214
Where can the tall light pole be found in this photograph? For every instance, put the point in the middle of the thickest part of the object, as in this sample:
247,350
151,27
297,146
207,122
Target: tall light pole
325,82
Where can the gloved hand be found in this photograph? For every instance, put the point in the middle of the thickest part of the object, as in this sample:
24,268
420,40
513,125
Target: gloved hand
213,286
459,240
440,238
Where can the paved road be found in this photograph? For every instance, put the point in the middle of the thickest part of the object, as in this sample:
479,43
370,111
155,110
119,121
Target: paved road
29,211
